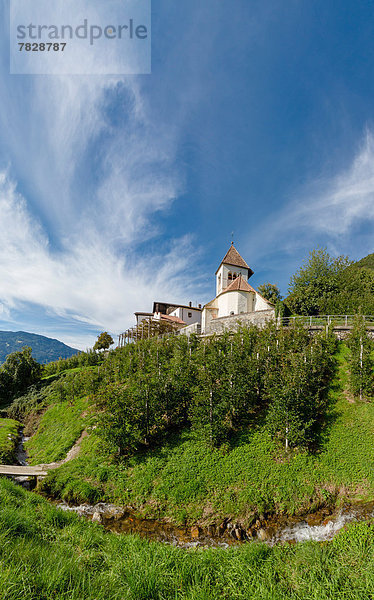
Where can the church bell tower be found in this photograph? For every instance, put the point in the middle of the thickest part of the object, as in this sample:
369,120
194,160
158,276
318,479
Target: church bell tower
230,268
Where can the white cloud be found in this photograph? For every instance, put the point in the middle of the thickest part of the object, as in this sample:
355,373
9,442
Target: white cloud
85,282
327,211
339,204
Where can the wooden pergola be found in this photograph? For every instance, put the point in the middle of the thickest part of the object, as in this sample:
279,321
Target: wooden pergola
146,329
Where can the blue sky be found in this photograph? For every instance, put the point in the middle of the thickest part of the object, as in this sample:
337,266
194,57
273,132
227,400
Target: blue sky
258,118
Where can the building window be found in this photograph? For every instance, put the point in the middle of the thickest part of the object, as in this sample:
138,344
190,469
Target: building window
229,277
189,315
232,313
234,276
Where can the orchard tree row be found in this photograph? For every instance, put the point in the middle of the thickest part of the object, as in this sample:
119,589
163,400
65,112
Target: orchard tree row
361,360
217,386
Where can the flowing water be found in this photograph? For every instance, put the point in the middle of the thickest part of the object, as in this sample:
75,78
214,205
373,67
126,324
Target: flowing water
327,529
21,456
227,534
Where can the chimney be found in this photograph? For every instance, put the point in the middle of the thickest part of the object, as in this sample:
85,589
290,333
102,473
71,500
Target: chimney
199,305
190,304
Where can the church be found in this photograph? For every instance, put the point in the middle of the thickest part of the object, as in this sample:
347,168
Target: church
236,300
236,303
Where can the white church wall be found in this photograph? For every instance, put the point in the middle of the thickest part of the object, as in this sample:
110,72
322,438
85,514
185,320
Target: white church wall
244,302
224,305
260,303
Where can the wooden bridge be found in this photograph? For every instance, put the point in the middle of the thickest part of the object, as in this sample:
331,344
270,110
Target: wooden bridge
17,470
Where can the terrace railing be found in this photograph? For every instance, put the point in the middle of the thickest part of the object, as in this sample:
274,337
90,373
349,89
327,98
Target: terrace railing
323,320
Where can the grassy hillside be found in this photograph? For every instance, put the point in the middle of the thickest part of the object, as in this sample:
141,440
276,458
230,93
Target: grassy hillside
44,349
185,480
45,554
59,427
367,262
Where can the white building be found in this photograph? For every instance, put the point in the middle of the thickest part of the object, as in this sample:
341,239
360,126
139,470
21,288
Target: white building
234,294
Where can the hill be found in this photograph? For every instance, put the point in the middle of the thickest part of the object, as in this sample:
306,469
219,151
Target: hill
44,349
209,466
367,262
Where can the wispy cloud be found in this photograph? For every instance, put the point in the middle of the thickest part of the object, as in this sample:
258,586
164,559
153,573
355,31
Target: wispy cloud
85,282
326,211
334,206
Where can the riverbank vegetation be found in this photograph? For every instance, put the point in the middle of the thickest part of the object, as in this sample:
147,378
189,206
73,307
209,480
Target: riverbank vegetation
9,436
185,479
46,553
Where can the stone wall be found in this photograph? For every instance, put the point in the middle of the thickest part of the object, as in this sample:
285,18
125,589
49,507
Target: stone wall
232,323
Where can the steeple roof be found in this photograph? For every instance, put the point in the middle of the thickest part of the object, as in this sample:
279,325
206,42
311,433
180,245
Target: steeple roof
233,258
239,284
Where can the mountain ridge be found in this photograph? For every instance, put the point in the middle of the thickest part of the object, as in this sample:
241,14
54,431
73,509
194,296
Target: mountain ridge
44,349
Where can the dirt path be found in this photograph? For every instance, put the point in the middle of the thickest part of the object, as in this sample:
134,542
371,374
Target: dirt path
73,452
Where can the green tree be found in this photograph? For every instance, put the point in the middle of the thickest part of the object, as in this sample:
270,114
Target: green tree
120,419
19,371
296,385
210,409
270,291
104,340
361,364
314,286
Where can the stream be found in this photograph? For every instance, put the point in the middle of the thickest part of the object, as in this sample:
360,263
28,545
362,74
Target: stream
319,526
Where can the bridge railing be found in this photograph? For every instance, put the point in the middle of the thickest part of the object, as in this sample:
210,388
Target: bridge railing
323,320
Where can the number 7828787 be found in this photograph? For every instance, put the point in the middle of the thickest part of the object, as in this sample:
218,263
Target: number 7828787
41,46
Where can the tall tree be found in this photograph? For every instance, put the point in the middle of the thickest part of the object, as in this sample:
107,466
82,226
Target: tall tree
271,292
104,341
314,286
19,371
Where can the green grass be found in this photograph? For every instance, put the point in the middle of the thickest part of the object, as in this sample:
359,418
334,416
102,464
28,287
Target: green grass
47,554
69,370
58,430
8,440
185,480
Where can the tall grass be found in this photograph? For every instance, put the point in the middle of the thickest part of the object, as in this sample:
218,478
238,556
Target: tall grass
8,440
59,428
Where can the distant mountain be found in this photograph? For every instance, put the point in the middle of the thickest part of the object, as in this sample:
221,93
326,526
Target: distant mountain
44,349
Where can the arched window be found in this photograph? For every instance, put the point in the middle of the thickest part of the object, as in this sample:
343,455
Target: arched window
234,276
229,277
